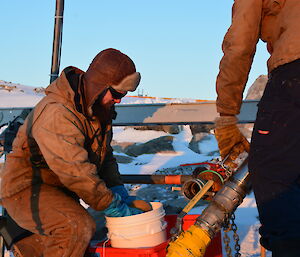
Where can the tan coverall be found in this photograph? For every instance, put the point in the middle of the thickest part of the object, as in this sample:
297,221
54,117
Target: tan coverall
42,196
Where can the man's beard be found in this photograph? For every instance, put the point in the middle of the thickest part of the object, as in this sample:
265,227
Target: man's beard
104,115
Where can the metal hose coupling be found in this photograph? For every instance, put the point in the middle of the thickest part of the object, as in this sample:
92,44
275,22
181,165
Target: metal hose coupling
191,187
225,202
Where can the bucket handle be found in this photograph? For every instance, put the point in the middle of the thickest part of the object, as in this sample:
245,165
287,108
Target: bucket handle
103,246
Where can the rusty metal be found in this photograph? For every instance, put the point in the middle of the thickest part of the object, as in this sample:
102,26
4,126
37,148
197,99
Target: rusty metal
229,225
262,251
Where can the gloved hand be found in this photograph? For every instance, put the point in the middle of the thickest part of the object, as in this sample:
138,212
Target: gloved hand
132,201
192,242
117,208
230,139
141,205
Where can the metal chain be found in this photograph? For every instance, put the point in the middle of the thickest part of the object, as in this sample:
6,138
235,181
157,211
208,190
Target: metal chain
226,238
236,237
226,241
229,225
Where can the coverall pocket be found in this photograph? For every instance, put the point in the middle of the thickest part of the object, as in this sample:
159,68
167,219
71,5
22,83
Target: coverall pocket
271,125
262,131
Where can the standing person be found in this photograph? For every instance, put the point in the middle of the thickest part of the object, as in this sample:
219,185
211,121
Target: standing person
63,153
275,143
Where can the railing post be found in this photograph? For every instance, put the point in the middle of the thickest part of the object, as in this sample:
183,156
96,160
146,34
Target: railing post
57,39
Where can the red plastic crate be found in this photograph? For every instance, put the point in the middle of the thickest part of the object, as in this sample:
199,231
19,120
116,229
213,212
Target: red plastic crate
108,251
213,250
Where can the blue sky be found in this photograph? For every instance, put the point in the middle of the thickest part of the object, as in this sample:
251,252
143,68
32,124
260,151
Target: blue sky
175,44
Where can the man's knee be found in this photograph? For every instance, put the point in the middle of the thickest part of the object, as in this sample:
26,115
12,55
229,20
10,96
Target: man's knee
86,228
31,246
71,237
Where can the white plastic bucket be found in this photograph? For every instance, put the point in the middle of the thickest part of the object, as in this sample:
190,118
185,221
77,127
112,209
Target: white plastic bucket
147,229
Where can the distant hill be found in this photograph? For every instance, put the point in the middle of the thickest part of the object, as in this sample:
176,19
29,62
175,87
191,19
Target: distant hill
17,95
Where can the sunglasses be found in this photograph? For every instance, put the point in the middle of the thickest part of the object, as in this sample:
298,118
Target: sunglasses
116,94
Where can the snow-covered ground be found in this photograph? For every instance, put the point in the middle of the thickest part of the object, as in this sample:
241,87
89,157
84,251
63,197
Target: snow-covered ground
246,214
15,95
